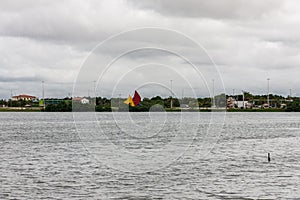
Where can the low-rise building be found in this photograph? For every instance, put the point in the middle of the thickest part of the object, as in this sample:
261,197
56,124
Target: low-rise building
81,100
23,97
231,102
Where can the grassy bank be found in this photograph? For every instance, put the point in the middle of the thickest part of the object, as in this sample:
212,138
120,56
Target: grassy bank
20,109
256,110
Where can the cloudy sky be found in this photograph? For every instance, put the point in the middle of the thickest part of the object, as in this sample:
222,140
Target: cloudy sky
109,45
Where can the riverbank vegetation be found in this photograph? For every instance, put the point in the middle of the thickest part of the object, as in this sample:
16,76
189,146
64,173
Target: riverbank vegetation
254,103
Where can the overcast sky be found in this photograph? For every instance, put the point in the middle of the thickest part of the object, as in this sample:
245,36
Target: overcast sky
240,43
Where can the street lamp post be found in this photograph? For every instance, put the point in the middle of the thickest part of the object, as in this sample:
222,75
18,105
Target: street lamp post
11,95
171,94
213,93
243,99
268,98
43,93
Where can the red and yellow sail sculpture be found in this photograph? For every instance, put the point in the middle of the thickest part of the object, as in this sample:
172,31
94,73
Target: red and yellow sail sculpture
133,101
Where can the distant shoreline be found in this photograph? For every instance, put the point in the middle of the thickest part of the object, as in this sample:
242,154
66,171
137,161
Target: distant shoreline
21,109
38,109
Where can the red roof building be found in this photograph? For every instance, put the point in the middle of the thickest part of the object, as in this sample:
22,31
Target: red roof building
24,97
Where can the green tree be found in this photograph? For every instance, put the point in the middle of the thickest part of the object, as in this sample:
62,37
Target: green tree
293,106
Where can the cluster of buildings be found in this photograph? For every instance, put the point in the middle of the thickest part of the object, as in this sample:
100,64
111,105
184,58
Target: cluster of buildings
25,97
233,103
34,99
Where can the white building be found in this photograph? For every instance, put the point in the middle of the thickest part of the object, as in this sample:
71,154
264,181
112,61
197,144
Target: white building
82,100
242,104
85,101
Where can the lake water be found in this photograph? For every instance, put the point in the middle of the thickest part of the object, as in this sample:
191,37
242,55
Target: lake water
149,155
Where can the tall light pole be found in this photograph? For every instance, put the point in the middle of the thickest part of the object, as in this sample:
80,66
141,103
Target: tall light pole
171,93
268,98
43,93
213,93
95,103
233,98
11,95
243,99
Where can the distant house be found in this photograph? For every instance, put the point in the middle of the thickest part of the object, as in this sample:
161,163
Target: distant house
231,102
243,104
23,97
81,100
85,101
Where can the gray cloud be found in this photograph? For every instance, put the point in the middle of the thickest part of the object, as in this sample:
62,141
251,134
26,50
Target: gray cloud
17,79
248,40
225,9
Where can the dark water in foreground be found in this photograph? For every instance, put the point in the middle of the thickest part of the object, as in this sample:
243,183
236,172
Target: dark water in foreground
149,156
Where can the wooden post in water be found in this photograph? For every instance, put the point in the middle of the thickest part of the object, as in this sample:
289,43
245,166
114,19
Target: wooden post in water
269,157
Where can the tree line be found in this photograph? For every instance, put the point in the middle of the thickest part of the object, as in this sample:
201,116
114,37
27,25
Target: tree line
103,104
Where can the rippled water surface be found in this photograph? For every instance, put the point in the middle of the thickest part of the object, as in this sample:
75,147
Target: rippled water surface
149,156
